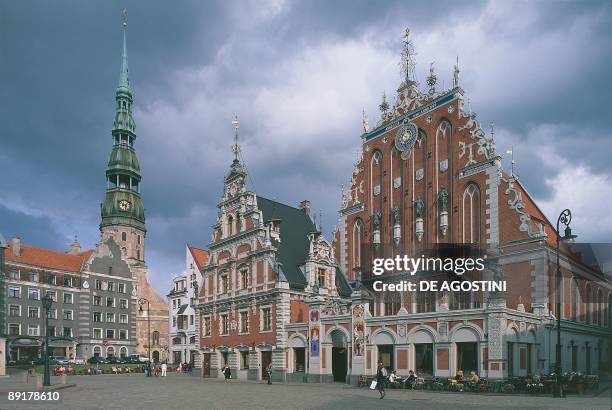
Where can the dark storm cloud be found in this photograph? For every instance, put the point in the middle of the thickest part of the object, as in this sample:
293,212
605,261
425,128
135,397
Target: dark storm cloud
298,74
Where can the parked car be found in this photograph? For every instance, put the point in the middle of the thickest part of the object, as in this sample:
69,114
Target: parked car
97,360
77,361
58,360
116,360
136,359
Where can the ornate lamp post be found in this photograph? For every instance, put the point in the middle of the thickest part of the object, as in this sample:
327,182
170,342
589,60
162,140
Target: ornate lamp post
564,218
141,302
47,301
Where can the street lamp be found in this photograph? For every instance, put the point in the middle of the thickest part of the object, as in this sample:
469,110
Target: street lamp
564,218
47,301
141,302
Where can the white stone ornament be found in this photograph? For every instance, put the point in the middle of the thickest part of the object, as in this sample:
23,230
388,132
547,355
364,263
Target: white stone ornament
376,190
443,165
397,182
85,285
420,174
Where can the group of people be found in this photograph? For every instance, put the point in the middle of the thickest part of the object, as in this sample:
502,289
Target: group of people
470,383
383,377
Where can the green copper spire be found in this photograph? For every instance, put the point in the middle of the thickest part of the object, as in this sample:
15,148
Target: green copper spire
122,204
124,80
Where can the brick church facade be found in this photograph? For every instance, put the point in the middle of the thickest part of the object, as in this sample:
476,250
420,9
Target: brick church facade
428,175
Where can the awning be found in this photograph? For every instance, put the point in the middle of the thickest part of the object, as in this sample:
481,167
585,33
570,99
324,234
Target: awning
61,343
182,309
24,342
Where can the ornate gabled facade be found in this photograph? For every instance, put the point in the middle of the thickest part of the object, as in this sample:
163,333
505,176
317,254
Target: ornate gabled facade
429,175
265,260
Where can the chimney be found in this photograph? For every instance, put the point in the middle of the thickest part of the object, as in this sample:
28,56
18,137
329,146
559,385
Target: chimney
16,245
305,206
75,247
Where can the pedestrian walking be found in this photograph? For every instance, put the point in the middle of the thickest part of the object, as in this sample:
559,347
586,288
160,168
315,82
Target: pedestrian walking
381,379
227,372
164,369
269,372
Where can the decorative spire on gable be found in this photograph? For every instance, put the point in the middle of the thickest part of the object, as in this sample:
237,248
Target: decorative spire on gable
408,61
456,74
236,147
236,169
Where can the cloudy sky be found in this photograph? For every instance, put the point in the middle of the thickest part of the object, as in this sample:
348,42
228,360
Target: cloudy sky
298,74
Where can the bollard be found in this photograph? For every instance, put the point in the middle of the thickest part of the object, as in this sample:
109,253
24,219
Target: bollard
63,378
39,382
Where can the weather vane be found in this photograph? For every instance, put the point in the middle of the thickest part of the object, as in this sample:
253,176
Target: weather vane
236,147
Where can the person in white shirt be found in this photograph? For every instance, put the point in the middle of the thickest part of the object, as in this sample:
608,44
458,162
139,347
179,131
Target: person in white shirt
164,369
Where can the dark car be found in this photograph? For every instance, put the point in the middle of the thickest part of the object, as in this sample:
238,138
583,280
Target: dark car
116,360
97,360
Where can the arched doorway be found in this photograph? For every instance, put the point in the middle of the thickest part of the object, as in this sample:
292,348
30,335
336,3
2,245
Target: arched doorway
156,356
385,344
339,355
466,350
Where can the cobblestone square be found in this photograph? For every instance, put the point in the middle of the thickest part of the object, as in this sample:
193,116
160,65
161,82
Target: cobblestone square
183,392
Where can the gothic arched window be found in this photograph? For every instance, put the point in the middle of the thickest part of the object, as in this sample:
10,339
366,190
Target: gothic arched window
470,205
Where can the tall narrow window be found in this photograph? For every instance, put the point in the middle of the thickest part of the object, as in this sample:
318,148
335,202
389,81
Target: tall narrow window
471,214
574,300
244,278
357,232
230,225
589,300
322,277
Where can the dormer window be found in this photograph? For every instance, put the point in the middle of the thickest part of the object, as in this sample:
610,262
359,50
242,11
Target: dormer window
322,277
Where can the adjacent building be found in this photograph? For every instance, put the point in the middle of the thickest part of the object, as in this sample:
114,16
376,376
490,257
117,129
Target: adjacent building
183,327
92,312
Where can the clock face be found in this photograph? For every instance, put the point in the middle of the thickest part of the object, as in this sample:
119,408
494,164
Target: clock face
124,205
406,137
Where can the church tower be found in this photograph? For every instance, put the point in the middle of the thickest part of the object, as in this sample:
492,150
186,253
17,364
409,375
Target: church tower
122,210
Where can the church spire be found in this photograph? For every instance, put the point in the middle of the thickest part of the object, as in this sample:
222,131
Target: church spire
122,211
124,80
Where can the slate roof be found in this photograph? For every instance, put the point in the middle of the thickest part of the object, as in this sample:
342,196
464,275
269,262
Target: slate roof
295,226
